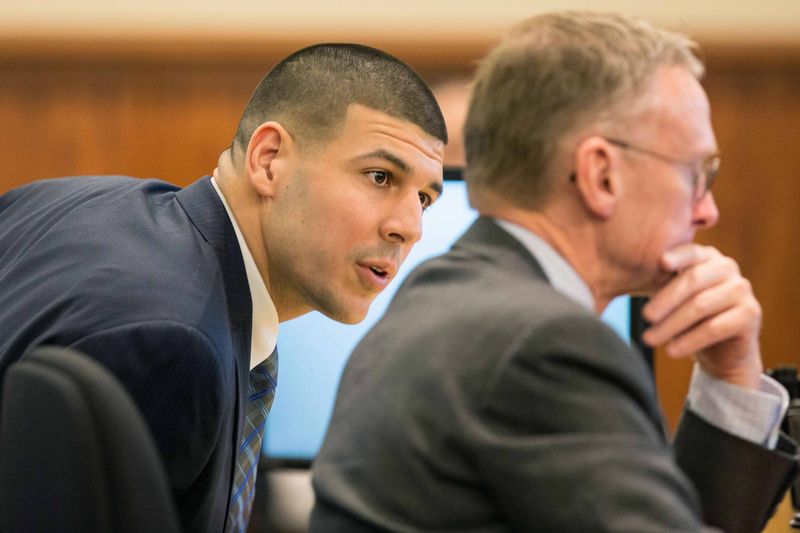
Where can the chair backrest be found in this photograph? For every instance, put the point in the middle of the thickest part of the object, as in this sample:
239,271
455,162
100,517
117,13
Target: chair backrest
75,453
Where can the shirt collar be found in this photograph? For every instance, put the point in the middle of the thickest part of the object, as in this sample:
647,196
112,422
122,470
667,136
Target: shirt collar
265,317
559,272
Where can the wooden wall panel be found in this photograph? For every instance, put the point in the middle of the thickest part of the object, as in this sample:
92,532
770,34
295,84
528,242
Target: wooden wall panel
146,121
169,116
149,109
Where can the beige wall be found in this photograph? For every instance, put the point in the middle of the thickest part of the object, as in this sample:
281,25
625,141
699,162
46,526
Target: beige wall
765,21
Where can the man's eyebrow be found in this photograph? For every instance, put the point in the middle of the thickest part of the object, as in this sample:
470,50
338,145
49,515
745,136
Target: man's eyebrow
389,156
437,187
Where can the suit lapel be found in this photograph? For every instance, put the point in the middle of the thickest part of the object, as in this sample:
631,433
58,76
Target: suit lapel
208,214
204,207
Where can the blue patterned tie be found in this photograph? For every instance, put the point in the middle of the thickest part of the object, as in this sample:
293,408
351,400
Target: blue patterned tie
261,390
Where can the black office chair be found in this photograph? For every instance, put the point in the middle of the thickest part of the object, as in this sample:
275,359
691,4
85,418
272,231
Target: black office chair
75,453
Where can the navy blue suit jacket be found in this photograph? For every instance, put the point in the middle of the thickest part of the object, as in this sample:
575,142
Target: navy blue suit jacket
148,279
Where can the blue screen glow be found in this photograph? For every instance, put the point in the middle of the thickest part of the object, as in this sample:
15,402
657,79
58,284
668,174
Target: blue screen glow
313,349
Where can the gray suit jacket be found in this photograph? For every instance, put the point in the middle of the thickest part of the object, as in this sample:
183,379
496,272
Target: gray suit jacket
487,401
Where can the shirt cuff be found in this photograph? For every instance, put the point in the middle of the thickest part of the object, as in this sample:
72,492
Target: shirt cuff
751,414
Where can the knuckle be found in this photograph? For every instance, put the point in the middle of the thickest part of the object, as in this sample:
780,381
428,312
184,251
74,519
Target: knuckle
731,265
693,277
745,289
755,309
715,328
700,305
742,286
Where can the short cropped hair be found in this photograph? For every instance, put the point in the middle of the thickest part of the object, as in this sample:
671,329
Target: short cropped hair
309,93
553,75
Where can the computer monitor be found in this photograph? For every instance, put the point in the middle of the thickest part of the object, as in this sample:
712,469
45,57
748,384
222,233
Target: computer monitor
314,349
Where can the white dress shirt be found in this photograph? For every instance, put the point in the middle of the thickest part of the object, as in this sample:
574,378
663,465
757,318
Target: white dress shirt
751,414
265,317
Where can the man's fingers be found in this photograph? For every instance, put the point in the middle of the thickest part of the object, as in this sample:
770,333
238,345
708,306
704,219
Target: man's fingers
704,304
707,309
685,255
689,282
713,331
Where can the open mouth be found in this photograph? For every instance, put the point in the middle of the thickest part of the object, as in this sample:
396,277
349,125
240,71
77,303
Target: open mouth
378,272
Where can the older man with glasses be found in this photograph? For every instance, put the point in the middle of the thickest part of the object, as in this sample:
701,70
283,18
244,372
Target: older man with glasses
490,397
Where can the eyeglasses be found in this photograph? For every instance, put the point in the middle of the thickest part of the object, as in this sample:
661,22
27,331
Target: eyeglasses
703,176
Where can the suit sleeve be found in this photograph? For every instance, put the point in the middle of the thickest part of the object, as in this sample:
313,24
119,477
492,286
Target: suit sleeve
177,379
569,437
740,483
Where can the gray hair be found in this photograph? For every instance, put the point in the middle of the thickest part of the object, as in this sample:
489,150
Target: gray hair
553,75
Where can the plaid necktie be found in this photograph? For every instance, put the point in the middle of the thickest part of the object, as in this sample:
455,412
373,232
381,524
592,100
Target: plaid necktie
261,390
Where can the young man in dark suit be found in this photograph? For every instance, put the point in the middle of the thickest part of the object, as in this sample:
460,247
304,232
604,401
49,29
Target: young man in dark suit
180,292
490,397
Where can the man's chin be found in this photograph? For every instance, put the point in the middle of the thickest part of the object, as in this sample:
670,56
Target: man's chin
352,314
654,283
351,319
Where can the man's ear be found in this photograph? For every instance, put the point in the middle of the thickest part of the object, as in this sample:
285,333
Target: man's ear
269,145
596,177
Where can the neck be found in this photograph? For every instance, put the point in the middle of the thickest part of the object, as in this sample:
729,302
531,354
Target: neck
245,206
576,242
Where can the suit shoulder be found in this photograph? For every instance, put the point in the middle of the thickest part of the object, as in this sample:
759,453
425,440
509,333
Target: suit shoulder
80,206
78,189
468,288
122,250
479,316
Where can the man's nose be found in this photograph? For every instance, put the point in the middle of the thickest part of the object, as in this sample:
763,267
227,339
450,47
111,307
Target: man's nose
706,213
404,223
